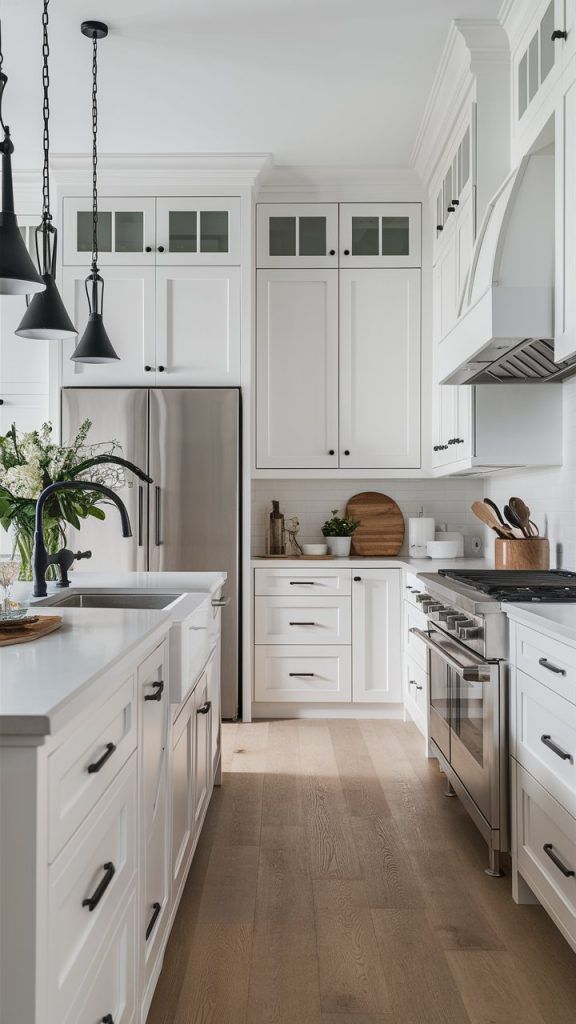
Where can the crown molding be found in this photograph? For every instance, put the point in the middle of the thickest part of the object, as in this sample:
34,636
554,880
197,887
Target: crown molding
515,15
27,192
153,173
325,179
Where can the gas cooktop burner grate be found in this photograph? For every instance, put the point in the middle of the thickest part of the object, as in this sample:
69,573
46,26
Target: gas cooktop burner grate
553,585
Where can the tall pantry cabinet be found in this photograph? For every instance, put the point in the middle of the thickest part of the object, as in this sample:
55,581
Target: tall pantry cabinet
338,336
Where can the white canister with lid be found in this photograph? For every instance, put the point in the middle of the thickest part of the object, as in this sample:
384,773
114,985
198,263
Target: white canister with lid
420,531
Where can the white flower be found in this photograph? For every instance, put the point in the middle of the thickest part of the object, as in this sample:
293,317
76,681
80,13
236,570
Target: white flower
24,481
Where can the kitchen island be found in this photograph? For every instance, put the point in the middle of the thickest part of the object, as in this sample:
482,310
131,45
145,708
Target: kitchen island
109,750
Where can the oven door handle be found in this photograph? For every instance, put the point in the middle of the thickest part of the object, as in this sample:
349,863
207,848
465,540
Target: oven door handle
470,673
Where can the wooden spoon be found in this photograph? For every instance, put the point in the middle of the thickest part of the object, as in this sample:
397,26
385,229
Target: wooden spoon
484,513
522,513
515,520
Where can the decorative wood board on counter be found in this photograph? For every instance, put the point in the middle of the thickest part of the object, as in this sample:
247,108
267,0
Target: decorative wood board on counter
46,624
381,530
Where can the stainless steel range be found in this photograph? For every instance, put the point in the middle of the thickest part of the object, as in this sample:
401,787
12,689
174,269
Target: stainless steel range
467,641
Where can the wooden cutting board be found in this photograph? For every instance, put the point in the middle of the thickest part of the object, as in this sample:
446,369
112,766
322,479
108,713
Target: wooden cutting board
46,624
381,530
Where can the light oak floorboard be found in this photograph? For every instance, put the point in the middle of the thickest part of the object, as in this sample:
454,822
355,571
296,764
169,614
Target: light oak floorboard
492,988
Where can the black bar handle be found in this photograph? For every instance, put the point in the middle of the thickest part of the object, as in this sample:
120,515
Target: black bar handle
549,851
97,765
204,708
301,674
158,691
549,742
140,514
158,503
156,908
551,667
92,901
302,583
302,623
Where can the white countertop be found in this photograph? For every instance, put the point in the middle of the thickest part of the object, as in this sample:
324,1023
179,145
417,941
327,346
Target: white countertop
555,620
42,683
402,562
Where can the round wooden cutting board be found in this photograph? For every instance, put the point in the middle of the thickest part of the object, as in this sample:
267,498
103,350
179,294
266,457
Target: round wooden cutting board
381,530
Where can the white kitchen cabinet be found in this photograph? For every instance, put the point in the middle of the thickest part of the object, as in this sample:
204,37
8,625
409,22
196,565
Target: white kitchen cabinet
126,232
182,769
376,635
542,51
197,326
213,679
154,815
202,749
380,235
129,319
302,674
380,369
297,369
297,235
197,231
565,198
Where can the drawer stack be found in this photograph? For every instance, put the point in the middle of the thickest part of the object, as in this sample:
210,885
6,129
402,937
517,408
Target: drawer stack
303,635
543,749
415,657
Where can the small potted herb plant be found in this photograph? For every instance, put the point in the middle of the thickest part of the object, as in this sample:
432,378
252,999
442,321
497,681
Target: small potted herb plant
339,532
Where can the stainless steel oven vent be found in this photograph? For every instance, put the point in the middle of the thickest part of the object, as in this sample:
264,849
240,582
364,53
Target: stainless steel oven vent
530,361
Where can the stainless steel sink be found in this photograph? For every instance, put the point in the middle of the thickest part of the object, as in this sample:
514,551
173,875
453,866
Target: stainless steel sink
94,599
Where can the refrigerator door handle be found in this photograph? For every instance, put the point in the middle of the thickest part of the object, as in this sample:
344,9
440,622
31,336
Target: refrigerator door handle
140,514
158,514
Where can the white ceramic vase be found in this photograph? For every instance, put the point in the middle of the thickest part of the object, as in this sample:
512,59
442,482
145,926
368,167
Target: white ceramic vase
339,546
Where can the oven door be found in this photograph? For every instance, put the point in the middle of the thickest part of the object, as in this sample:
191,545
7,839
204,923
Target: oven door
472,686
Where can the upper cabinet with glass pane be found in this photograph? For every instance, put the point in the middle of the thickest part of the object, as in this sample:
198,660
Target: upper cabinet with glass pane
545,46
145,232
380,235
297,235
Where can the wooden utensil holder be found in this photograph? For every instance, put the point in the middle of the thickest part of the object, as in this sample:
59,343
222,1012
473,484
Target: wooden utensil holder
528,553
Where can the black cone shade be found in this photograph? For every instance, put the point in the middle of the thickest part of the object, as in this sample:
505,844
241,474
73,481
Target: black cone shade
18,275
46,316
94,345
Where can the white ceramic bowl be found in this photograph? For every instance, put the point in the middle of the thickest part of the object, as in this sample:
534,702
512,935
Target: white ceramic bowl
315,549
442,548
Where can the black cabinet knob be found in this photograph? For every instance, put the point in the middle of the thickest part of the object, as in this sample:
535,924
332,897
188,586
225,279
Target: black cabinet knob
357,579
450,208
160,248
558,33
455,202
147,368
439,227
148,248
332,252
331,452
346,451
346,252
161,369
1,401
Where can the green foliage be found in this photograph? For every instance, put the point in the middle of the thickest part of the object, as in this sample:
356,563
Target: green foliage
340,526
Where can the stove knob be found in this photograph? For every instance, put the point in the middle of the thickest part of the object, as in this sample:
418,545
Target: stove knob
454,620
470,632
445,614
422,597
435,609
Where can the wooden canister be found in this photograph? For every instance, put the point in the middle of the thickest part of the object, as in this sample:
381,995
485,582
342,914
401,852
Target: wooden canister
528,553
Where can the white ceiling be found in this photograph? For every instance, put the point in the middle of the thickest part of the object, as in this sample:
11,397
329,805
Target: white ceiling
340,82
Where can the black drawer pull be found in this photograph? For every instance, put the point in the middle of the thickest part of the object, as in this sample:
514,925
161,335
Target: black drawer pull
156,908
551,668
108,1019
306,674
549,851
549,742
418,687
159,690
92,901
97,765
558,33
357,579
302,583
303,623
204,708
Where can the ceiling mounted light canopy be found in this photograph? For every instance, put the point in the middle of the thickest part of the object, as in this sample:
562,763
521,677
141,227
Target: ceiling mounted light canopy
18,275
46,316
94,345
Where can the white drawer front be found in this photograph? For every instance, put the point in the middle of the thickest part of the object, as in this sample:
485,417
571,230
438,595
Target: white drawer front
305,674
416,688
412,588
303,620
544,737
111,991
413,647
83,767
547,660
543,825
80,873
302,583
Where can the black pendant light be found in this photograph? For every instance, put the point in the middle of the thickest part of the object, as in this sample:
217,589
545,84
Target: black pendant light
18,275
94,345
46,316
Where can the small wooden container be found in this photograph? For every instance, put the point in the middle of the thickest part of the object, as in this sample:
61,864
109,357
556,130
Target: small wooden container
528,553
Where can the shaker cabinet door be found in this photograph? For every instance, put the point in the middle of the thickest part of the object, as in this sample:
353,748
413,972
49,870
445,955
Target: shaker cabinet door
128,315
380,369
197,326
376,636
297,369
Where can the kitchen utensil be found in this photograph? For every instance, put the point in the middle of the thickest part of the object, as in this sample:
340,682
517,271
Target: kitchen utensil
486,515
420,530
496,510
381,530
528,553
442,548
33,631
522,512
315,549
515,521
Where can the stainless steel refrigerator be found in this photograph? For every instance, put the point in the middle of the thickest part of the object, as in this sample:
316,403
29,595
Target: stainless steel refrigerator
188,519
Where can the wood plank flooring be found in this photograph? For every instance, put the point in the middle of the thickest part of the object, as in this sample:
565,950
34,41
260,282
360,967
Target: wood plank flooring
335,884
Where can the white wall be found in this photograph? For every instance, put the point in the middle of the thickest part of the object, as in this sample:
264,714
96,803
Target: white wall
312,500
550,493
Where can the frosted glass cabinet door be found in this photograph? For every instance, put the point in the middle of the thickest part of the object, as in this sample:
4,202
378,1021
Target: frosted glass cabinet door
128,314
380,369
126,232
197,231
297,369
197,326
380,234
297,235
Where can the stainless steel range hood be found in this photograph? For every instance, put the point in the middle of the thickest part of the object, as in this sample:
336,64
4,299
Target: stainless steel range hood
505,329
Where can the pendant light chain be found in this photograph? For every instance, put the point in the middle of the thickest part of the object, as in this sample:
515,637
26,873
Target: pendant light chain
46,215
94,150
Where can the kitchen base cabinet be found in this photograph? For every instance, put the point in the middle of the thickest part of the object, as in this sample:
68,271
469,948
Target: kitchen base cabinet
376,635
